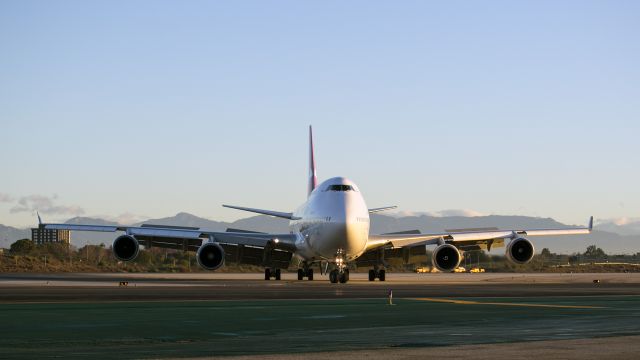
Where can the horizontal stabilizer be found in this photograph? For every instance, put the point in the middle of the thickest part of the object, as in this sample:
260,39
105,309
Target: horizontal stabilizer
406,232
243,231
169,227
279,214
375,210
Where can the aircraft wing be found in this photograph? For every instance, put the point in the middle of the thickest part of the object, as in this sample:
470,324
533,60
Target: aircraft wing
460,238
188,238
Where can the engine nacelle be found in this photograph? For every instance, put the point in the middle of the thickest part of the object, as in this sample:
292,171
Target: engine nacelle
446,257
210,256
520,251
125,248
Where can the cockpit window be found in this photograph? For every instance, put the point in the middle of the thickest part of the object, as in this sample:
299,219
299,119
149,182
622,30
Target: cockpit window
340,188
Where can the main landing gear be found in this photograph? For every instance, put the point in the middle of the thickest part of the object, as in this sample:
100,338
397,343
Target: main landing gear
305,272
308,273
336,276
271,273
377,274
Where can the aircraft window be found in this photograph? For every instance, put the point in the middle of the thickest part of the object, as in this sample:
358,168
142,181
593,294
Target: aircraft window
340,188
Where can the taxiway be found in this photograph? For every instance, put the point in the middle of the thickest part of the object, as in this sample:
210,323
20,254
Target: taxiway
201,315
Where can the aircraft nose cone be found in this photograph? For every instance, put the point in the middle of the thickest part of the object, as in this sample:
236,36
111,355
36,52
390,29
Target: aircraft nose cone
348,236
356,236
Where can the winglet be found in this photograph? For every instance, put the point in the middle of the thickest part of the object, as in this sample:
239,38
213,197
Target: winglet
40,224
590,224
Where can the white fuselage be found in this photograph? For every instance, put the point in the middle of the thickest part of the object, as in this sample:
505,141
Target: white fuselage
333,223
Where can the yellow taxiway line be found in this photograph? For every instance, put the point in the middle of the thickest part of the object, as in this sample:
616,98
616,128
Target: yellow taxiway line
469,302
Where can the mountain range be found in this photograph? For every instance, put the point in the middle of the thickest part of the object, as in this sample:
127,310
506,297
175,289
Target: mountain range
610,236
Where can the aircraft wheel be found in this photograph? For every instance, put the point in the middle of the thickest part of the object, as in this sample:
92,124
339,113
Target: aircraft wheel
344,276
372,275
277,274
310,274
382,275
333,276
300,274
267,274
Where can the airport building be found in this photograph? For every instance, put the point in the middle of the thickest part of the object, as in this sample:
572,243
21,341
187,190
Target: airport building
43,236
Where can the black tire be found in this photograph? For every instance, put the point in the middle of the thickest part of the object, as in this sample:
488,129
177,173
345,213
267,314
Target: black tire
267,274
382,275
277,274
372,275
310,274
342,277
346,275
300,274
333,276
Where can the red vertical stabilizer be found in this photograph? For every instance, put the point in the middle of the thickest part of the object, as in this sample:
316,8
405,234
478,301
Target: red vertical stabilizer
313,179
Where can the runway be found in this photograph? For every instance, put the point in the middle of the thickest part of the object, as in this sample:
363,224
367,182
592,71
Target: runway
202,315
200,286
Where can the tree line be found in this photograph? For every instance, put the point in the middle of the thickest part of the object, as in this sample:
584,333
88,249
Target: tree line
24,255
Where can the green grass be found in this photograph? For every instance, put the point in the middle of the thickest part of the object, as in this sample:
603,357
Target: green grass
175,329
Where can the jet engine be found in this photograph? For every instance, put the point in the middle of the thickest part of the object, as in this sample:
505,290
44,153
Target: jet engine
446,257
125,248
520,251
210,256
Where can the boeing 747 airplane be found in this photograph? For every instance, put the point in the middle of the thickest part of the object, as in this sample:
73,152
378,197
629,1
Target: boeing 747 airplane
331,229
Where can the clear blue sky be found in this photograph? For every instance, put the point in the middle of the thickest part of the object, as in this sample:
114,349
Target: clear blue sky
132,109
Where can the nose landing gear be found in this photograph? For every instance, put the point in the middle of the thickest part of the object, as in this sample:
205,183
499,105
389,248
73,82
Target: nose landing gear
341,272
341,276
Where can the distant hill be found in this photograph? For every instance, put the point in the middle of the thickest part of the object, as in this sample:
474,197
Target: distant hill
622,227
262,223
79,220
9,235
611,242
186,219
